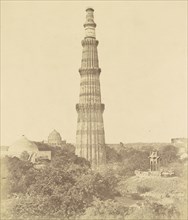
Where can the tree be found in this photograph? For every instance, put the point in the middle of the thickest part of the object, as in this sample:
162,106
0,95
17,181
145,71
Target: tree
17,170
112,155
24,155
63,188
168,155
133,160
108,209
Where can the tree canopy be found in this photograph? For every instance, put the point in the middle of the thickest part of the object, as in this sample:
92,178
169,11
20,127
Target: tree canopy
66,186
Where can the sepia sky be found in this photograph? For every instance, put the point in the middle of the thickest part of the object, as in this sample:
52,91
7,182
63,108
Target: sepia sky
142,54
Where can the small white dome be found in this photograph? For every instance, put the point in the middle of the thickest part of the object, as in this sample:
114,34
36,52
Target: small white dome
23,144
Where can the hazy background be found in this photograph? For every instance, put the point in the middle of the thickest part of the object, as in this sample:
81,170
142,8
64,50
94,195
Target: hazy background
142,54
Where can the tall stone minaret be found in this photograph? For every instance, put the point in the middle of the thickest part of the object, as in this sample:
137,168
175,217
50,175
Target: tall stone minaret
90,138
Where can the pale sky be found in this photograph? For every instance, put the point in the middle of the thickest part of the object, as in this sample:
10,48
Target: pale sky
142,53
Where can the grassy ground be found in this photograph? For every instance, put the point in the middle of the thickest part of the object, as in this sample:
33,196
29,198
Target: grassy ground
165,191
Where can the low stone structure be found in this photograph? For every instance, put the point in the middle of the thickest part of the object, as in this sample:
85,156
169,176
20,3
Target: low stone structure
140,173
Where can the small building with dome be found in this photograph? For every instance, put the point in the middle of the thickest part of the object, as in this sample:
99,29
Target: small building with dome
55,139
29,150
35,151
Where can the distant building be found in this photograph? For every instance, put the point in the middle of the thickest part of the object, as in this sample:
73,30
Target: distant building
181,144
54,139
35,151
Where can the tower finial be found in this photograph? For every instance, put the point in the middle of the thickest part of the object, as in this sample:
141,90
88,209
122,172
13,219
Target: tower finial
89,9
89,25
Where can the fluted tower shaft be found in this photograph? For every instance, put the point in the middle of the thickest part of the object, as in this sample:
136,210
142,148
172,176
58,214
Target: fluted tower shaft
90,137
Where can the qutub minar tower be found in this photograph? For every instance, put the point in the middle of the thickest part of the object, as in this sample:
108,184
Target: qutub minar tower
90,138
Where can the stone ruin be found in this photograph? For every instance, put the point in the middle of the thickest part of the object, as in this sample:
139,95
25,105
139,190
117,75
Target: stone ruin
155,168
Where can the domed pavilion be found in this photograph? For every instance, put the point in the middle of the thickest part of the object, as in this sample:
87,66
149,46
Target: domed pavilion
54,139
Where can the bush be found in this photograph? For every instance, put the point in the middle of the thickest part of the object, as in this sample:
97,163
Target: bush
177,167
169,154
108,209
24,156
56,193
143,189
20,174
112,156
63,188
136,196
154,210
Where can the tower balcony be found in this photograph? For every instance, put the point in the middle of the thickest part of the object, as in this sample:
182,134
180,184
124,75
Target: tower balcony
90,107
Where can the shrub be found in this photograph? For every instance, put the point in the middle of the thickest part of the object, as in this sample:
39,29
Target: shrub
169,154
154,210
24,156
136,196
17,170
112,156
108,209
143,189
63,188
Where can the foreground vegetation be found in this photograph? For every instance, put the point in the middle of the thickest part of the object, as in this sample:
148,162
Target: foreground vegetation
66,188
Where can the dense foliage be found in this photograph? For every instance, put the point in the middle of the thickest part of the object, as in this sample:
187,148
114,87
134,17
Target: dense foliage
64,187
129,160
169,154
111,209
